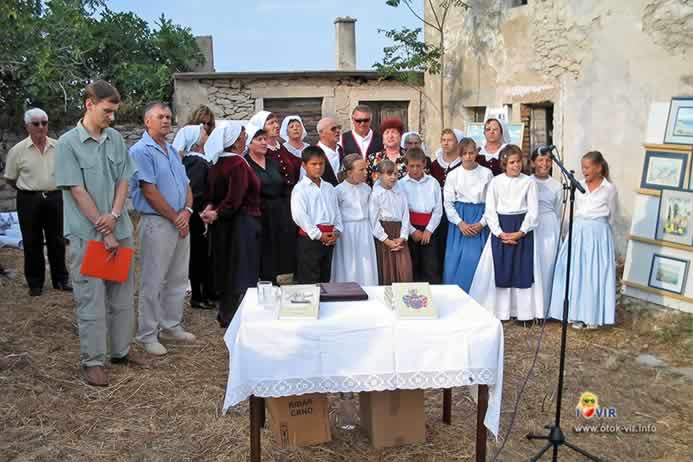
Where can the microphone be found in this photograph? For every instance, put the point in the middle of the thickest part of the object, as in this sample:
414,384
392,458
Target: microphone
543,149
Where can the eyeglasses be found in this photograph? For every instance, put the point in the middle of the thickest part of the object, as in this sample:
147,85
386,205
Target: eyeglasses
361,121
42,123
336,128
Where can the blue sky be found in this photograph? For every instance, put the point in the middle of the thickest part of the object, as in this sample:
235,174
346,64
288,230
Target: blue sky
278,35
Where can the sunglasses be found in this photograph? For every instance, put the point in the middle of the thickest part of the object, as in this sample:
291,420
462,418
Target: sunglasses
42,123
361,121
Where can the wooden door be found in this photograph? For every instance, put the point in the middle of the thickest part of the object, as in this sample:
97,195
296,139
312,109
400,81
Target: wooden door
386,109
310,110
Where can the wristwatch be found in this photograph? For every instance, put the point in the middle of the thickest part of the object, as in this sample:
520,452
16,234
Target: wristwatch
189,210
115,215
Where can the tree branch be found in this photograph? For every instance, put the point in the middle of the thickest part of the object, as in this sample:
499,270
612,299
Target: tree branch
435,15
408,4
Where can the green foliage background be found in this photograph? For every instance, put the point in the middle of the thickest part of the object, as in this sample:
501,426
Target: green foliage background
49,50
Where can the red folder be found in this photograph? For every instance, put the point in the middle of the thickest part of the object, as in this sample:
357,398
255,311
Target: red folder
106,264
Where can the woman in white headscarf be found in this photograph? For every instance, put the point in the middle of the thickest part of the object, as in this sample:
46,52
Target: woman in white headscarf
289,164
412,140
190,140
234,197
497,135
294,132
278,228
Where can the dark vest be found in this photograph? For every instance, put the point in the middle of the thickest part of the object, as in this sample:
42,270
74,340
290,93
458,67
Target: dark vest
494,164
351,146
329,174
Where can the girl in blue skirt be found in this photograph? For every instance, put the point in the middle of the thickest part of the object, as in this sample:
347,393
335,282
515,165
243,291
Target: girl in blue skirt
508,279
464,196
593,268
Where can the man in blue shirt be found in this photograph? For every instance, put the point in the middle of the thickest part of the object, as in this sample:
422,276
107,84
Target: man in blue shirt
162,195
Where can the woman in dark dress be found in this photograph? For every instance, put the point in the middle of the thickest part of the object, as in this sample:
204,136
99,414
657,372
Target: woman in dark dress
234,197
289,164
278,228
193,138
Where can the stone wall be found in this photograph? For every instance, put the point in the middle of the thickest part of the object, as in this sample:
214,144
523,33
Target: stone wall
11,136
601,64
238,97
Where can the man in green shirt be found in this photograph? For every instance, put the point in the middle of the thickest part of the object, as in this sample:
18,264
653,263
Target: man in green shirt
92,168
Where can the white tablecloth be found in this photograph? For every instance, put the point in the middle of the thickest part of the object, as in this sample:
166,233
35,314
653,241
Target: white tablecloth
10,234
362,346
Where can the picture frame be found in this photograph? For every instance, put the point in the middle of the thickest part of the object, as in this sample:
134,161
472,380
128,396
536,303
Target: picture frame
679,128
665,167
675,217
668,273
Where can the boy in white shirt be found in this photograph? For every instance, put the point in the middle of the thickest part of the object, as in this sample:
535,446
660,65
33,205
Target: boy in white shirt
315,211
425,212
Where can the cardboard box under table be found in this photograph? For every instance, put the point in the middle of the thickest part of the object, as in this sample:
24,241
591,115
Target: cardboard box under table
299,420
393,418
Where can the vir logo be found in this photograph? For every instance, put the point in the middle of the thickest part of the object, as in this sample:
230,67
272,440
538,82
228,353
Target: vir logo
588,407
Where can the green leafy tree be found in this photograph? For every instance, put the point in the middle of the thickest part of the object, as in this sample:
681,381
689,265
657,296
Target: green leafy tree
58,46
411,53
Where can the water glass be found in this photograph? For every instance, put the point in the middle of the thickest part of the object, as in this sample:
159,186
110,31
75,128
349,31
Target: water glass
264,293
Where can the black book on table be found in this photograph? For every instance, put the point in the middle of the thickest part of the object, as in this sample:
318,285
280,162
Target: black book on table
342,292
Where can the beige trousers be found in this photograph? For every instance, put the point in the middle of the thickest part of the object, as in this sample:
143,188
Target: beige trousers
164,259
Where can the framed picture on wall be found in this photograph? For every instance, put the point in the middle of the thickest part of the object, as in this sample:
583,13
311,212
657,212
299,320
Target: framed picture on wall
668,273
675,217
679,128
665,167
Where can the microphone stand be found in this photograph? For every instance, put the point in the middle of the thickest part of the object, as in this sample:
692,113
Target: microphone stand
556,438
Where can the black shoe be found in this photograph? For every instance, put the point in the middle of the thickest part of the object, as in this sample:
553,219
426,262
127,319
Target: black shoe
35,291
64,286
223,323
201,305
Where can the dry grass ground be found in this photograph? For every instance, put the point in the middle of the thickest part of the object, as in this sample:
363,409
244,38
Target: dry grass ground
172,411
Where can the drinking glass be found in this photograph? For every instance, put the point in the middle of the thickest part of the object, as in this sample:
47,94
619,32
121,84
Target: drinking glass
264,293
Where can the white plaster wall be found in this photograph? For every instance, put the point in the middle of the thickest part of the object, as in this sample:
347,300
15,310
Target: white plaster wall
602,64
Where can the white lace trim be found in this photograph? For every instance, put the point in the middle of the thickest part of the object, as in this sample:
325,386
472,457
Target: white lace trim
356,383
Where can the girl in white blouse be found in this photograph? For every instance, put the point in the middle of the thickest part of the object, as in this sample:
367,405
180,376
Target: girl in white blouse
389,215
464,197
354,257
508,278
548,233
593,262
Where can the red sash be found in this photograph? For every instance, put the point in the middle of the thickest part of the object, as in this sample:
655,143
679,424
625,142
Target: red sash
323,228
419,219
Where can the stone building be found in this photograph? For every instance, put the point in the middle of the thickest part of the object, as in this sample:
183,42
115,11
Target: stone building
311,94
582,75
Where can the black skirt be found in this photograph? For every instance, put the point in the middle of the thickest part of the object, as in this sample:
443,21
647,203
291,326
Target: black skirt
513,265
236,247
278,239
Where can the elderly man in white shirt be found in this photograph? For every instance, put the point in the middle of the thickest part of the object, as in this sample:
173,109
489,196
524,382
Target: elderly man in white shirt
329,131
31,170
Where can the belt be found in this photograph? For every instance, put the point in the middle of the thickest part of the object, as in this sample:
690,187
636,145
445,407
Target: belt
42,193
323,228
419,219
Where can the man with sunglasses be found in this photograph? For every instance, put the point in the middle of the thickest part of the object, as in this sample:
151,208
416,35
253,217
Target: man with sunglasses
30,169
362,139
